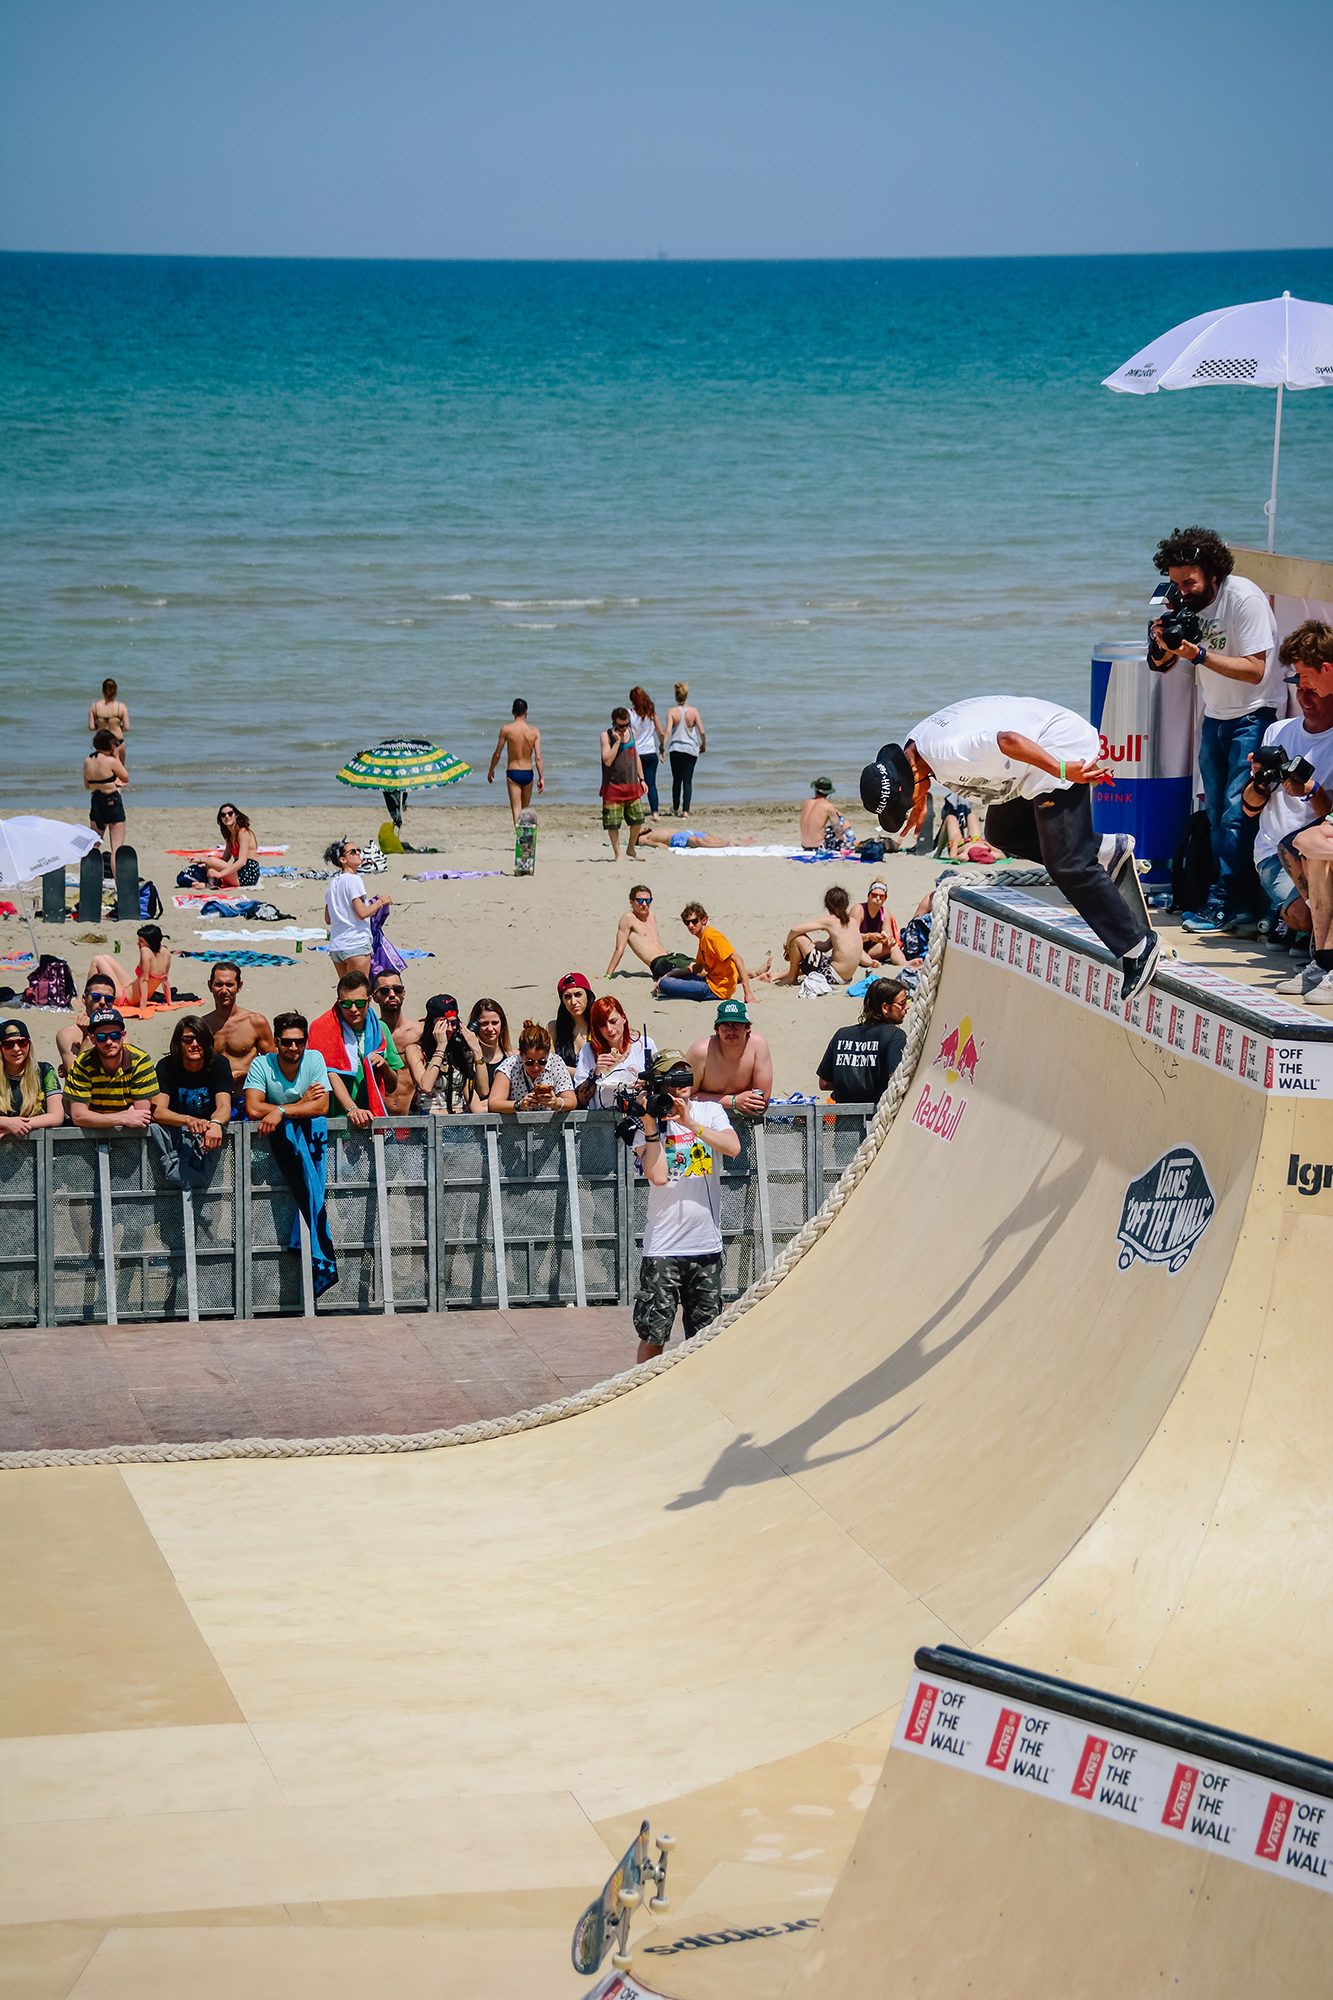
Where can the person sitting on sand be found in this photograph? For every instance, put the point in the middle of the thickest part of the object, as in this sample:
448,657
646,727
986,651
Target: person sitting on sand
239,1033
102,988
881,940
110,714
716,972
535,1079
691,837
236,863
348,910
843,954
154,970
822,825
959,824
637,931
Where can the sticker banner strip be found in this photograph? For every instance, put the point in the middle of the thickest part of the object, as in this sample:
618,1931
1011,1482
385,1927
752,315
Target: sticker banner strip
1121,1777
1188,1029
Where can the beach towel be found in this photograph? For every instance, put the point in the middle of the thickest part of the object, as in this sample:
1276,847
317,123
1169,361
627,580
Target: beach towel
401,954
384,953
237,957
328,1040
299,1146
157,1007
209,853
454,875
785,853
291,931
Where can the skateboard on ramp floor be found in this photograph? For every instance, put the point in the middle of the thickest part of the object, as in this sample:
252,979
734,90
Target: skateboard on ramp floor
607,1917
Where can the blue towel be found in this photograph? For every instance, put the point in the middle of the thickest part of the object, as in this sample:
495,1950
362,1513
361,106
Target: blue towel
241,957
299,1146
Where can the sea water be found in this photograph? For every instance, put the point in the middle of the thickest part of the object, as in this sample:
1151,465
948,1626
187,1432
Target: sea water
293,507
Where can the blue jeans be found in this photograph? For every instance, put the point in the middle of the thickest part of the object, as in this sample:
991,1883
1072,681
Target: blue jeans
681,986
650,779
1224,766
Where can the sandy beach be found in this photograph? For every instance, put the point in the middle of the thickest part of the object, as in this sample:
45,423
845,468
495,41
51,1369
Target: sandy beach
506,937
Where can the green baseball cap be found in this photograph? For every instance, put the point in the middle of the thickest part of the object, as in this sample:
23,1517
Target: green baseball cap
732,1010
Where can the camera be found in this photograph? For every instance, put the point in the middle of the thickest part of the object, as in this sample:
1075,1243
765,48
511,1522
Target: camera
1180,625
648,1097
1274,767
459,1056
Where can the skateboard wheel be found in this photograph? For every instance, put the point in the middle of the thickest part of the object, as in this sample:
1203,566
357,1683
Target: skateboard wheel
665,1842
629,1899
622,1961
659,1905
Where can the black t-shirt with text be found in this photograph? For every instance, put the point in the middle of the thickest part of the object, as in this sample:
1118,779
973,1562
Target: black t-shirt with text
193,1092
859,1061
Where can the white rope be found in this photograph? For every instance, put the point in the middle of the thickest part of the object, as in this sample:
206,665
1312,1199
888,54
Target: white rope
917,1025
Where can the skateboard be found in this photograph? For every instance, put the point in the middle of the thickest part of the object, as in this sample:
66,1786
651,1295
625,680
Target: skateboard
525,843
606,1918
53,896
1126,879
127,884
90,888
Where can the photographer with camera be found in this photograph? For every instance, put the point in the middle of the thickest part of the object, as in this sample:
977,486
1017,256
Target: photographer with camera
1290,791
1222,627
674,1147
444,1063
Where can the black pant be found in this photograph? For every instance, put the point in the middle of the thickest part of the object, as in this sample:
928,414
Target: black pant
1056,829
682,779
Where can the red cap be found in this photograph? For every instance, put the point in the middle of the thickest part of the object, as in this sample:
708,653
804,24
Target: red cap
573,979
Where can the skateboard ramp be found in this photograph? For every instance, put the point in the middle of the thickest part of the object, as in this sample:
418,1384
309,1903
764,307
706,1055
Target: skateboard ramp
1056,1385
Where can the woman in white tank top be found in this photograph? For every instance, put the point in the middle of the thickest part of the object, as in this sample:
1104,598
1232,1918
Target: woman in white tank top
647,740
685,743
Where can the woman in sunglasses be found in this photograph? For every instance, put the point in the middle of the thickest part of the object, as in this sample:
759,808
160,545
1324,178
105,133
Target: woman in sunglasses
192,1108
348,910
535,1079
29,1090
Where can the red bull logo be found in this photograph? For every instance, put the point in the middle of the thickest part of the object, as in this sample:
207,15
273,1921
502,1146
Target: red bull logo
959,1053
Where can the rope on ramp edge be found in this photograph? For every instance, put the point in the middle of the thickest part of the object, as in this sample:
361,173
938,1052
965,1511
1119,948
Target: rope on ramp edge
917,1026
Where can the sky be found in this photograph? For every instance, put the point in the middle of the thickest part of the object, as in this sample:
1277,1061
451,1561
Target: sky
633,128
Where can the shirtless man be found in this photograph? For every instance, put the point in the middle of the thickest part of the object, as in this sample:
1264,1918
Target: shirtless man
100,989
638,929
524,744
389,993
659,837
111,715
103,776
733,1066
821,823
844,936
238,1033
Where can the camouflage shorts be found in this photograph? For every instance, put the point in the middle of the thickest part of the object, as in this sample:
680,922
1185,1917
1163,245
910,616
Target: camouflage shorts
628,813
693,1283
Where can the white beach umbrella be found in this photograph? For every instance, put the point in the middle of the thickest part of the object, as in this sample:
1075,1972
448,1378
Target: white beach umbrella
30,847
1277,344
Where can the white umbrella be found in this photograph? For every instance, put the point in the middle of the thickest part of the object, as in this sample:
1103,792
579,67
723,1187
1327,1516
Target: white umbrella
1277,344
30,847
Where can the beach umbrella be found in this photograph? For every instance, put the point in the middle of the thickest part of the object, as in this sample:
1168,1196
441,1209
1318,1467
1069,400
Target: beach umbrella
399,765
30,847
1277,344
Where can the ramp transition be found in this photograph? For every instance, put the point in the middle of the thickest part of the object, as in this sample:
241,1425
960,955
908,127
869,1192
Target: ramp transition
1056,1386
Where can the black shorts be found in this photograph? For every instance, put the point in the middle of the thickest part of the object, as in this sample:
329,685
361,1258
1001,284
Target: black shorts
106,809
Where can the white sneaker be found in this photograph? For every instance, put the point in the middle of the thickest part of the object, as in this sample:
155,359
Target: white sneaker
1123,856
1301,983
1322,994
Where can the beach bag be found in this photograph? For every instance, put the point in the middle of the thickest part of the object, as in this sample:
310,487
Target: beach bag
1193,868
916,936
51,985
871,850
191,877
373,862
150,903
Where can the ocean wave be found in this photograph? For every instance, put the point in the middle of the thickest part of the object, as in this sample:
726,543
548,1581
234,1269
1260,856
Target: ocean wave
547,603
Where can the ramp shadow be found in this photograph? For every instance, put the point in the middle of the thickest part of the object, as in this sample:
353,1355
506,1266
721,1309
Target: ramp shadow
1043,1207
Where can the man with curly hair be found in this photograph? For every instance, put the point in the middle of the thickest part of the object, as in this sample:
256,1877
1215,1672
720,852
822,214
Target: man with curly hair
1235,661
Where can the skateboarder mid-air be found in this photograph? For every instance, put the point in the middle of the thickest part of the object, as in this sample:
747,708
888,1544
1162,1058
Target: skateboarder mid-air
1032,765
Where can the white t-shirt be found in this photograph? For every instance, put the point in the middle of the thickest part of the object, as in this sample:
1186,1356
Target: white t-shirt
645,733
1283,814
630,1066
685,1217
349,935
959,745
522,1086
1239,621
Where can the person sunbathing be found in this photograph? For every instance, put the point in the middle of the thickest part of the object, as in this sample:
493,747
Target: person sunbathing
154,970
659,837
236,863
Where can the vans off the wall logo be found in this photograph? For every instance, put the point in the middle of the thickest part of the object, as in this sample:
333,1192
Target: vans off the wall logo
1166,1211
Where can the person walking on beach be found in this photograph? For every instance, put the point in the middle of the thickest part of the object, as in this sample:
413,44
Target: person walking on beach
1032,765
685,743
348,910
103,776
111,715
524,746
648,737
622,782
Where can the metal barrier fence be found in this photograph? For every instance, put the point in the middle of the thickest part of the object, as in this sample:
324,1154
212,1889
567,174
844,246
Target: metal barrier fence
426,1214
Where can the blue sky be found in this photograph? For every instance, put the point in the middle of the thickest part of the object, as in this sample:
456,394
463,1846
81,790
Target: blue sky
580,128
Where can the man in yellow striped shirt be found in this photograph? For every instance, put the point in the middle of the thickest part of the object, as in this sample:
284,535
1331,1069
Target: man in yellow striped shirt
112,1084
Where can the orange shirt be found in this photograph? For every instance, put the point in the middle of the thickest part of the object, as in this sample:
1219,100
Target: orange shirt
718,963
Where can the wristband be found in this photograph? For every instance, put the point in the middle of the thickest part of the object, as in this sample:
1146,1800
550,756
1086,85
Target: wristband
1062,770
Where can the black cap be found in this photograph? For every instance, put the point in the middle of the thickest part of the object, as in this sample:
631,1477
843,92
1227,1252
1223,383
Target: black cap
440,1006
106,1017
887,786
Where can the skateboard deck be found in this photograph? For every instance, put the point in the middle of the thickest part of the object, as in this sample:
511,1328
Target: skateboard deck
90,888
1131,892
127,884
593,1931
53,896
525,844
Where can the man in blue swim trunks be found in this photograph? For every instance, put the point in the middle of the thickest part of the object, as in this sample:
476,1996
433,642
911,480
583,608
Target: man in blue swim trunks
524,744
659,837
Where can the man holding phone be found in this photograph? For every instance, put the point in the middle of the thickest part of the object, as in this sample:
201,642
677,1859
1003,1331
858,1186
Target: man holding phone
623,787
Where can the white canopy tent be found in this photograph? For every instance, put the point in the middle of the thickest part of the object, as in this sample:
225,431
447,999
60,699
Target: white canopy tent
1277,344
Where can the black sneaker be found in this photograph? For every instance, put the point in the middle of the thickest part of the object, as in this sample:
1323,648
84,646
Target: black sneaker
1140,968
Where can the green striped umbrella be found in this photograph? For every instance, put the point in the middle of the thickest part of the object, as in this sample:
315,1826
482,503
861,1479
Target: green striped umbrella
400,765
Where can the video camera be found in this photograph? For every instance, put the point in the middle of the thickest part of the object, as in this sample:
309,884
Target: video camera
1180,626
1274,767
649,1096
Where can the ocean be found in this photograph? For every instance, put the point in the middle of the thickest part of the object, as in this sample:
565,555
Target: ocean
295,506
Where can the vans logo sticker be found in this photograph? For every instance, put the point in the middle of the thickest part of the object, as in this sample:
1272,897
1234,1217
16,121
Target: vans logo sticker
1166,1211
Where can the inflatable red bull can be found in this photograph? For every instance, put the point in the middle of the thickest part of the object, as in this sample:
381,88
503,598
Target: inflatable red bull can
1146,725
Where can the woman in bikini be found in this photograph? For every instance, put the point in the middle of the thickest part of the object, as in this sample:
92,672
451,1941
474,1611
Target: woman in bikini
154,970
880,936
236,865
111,715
